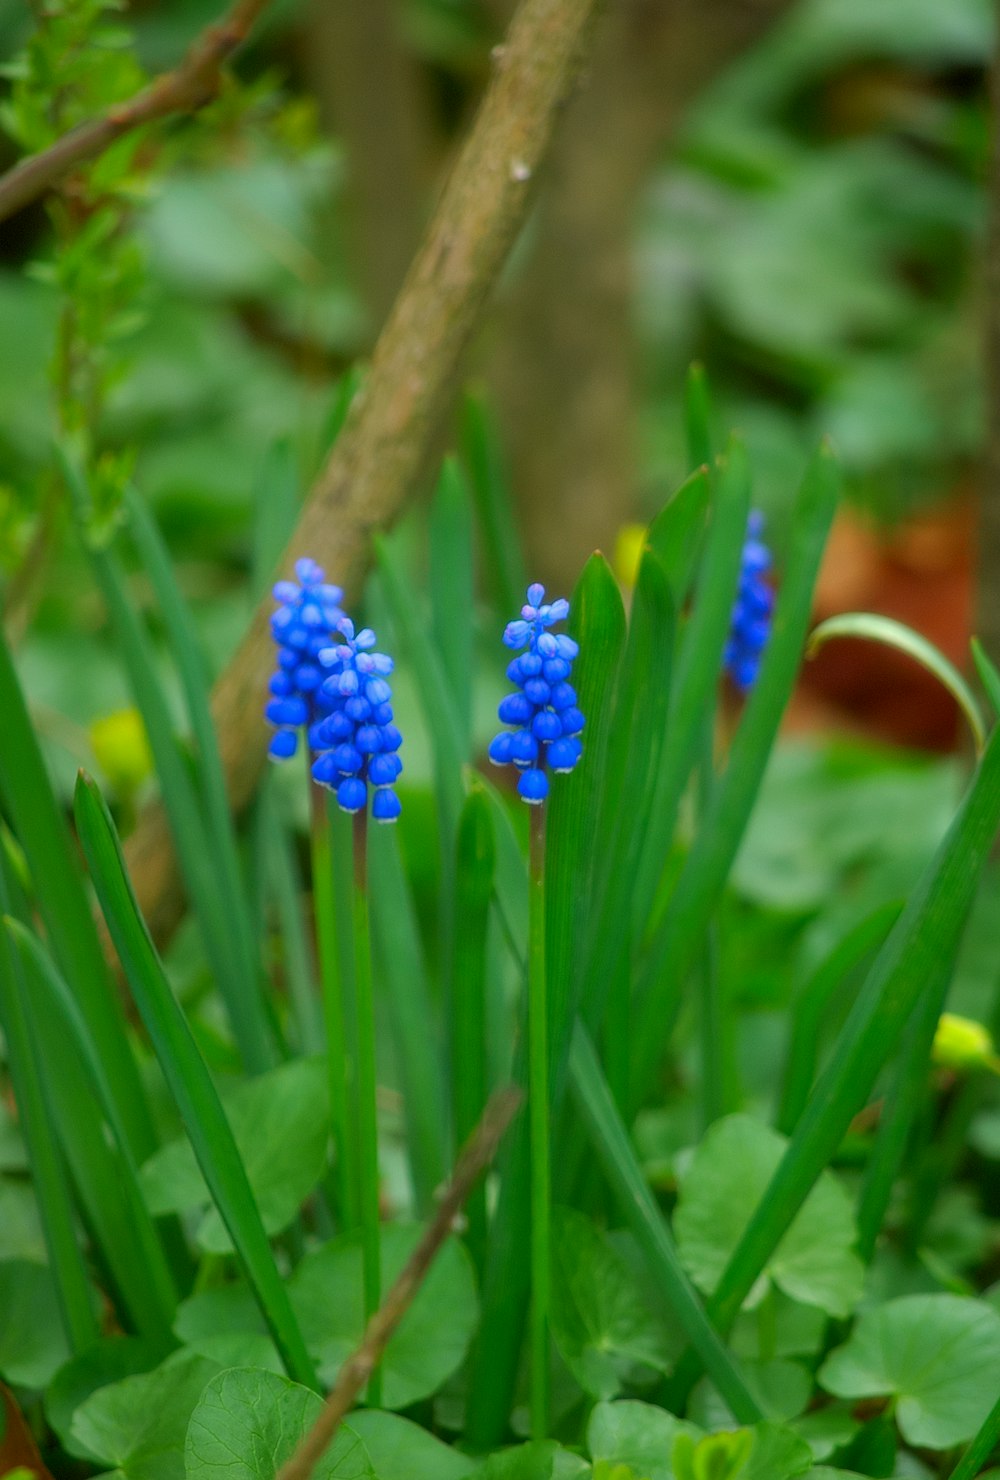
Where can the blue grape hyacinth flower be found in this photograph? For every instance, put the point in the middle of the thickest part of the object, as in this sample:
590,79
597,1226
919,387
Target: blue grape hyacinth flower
543,709
356,737
304,624
750,625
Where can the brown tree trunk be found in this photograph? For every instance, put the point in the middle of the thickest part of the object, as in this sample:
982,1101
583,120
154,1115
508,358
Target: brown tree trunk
564,368
369,97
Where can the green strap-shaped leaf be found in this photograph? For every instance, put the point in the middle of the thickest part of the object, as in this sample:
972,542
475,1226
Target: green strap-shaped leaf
699,666
637,1205
48,1168
403,978
452,566
698,417
475,867
187,1077
29,803
91,1131
490,489
811,1004
678,938
927,933
220,833
897,635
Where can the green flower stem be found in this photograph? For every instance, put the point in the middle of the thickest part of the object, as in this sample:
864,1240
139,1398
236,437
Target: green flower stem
365,1102
334,964
906,1100
711,1010
981,1448
538,1107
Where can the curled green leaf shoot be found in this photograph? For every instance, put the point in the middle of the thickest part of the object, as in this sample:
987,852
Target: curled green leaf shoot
896,635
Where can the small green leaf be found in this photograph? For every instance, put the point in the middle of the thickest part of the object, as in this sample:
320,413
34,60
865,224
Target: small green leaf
137,1427
279,1122
765,1452
602,1320
401,1450
431,1340
542,1459
896,635
636,1434
937,1355
33,1344
989,676
226,1326
725,1180
247,1423
108,1361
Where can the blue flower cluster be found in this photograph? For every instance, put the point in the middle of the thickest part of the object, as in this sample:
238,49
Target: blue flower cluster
357,737
544,710
330,682
750,625
308,615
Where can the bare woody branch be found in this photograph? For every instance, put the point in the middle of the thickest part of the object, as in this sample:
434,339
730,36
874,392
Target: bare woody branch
475,1158
188,87
392,430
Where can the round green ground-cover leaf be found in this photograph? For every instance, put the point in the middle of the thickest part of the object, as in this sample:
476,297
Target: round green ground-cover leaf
542,1459
32,1340
433,1337
109,1360
602,1319
937,1355
226,1326
814,1263
636,1434
401,1450
247,1423
280,1124
137,1427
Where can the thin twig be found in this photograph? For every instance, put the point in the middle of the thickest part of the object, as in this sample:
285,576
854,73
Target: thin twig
188,87
475,1157
394,426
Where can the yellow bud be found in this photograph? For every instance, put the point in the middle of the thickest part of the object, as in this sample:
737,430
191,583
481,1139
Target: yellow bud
122,751
962,1043
628,552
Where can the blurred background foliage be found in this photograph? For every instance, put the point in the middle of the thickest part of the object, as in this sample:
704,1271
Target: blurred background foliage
792,193
802,210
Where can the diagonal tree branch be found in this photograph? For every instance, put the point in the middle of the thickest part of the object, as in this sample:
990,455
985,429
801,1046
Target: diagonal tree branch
392,429
188,87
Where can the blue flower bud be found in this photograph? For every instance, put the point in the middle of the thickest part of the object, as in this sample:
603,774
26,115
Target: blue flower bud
501,749
515,709
383,769
284,743
358,728
546,725
385,805
750,623
352,794
544,706
533,787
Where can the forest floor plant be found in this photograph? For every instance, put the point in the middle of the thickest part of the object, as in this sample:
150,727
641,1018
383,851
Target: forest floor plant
746,1307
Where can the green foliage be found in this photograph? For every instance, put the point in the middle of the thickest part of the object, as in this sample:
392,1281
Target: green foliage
246,1424
933,1355
727,1177
279,1123
432,1339
602,1324
694,1267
